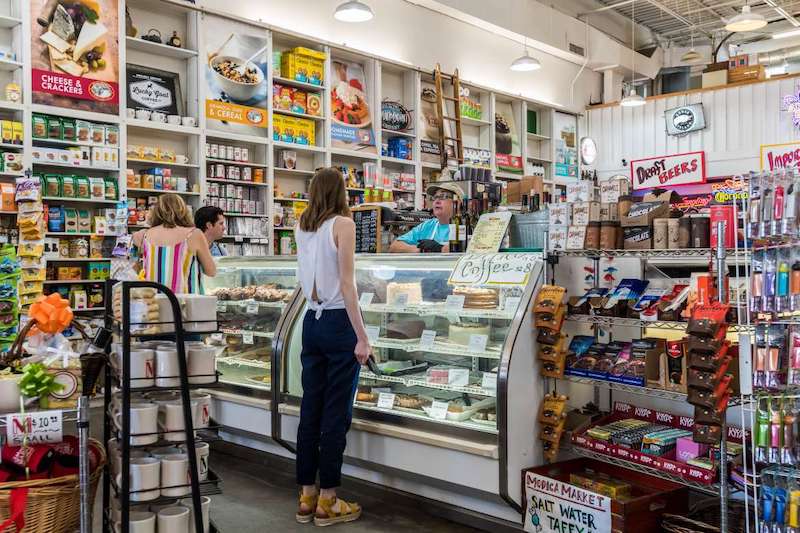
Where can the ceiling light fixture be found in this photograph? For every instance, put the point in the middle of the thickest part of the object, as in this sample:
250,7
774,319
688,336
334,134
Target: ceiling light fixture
525,63
353,11
746,21
786,34
633,99
692,56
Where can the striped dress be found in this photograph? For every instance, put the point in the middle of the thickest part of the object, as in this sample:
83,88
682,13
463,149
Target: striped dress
174,266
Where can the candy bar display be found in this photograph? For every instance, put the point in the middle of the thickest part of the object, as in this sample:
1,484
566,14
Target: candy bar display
617,361
549,311
552,417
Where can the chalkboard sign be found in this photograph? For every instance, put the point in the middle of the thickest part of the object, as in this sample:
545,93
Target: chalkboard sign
368,229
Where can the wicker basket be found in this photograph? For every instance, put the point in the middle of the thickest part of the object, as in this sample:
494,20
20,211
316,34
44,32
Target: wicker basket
52,505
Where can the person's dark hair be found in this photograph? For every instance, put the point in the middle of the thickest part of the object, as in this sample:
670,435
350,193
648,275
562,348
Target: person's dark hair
207,215
327,198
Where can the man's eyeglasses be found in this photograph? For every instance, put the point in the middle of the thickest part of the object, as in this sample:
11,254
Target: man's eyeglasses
443,196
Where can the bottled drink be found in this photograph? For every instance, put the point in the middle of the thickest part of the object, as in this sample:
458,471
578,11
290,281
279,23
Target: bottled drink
455,223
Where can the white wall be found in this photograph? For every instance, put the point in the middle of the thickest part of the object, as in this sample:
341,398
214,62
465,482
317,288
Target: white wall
738,120
421,37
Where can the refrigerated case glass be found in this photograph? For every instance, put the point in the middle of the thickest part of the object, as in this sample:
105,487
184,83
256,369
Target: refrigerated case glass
438,354
252,293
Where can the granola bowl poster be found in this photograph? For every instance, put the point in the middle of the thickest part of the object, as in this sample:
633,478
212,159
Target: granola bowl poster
75,54
236,98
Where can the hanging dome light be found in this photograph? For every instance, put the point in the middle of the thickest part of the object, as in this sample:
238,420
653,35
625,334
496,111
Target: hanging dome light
525,63
692,56
353,11
633,99
746,21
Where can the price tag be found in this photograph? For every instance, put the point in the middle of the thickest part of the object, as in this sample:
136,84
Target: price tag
365,299
40,427
252,308
489,381
401,299
454,302
222,307
247,337
238,239
477,342
438,410
426,339
512,303
386,400
373,332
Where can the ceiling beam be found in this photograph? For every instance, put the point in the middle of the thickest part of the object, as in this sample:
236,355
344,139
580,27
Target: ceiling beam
782,12
676,16
606,8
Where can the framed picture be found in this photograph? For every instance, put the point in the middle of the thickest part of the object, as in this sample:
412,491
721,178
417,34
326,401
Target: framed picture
154,90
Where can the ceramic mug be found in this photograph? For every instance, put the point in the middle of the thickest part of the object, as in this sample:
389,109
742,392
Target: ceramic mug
138,522
175,120
143,114
158,116
116,511
142,368
201,415
173,519
188,121
202,364
145,479
175,475
130,113
143,421
205,510
9,394
171,421
115,452
182,159
167,369
203,452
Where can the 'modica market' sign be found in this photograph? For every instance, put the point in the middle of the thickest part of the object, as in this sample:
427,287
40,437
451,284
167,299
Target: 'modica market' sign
668,170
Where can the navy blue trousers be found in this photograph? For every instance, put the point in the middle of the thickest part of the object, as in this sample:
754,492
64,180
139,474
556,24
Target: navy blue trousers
330,379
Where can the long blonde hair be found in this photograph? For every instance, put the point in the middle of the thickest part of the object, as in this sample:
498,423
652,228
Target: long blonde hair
170,211
328,198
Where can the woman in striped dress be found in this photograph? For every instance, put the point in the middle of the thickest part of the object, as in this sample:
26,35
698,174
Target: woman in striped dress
173,251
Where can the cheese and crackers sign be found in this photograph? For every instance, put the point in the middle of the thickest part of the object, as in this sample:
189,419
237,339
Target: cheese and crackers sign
779,156
668,170
75,54
554,506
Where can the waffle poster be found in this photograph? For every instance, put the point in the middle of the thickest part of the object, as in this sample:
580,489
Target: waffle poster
236,96
351,125
75,54
507,150
553,506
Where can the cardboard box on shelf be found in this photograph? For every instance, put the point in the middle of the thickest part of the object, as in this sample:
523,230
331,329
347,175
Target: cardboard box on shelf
643,213
638,237
527,185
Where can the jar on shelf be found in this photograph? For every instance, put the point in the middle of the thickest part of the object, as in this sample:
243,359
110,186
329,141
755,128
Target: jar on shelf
592,239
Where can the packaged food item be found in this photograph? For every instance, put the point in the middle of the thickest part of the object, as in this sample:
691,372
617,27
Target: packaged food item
111,189
83,131
148,181
149,152
19,133
8,131
112,136
52,185
12,162
7,197
98,134
84,221
39,126
68,129
82,189
313,104
68,186
97,188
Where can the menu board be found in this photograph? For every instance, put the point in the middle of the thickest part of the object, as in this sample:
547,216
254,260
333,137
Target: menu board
367,221
489,233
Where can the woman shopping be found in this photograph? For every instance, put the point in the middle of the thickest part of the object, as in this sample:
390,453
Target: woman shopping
334,346
172,249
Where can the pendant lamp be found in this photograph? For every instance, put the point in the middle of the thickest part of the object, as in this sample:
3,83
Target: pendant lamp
525,63
633,99
746,21
353,11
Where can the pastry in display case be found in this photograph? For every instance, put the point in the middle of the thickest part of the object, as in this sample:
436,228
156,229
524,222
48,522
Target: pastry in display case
438,346
251,295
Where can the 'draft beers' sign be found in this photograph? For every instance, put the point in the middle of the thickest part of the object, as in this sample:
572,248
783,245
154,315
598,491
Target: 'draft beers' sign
668,170
553,506
777,156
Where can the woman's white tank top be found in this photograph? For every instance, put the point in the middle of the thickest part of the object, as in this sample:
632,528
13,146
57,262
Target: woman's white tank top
318,264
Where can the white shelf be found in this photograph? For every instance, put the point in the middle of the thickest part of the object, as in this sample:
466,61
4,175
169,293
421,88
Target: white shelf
11,146
9,65
469,121
539,159
162,127
91,116
74,167
161,191
261,334
10,213
9,22
397,160
352,153
11,175
237,137
72,281
77,200
159,49
10,106
295,171
299,115
162,163
229,214
75,260
73,234
429,164
298,84
298,147
60,142
537,137
281,199
392,133
236,163
239,182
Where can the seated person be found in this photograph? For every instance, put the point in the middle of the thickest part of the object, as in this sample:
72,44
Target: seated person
432,235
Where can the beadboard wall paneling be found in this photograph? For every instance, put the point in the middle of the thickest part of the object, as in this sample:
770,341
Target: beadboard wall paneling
738,120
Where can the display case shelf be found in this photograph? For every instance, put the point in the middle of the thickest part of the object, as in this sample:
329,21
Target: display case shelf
74,167
281,199
537,137
245,303
733,254
609,321
246,215
238,361
708,489
439,310
9,66
411,381
632,389
341,152
409,413
260,334
61,142
438,347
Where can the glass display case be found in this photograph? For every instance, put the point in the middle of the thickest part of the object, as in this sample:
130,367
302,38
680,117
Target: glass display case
438,346
252,293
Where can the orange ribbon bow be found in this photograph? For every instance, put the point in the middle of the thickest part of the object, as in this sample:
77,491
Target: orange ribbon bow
52,313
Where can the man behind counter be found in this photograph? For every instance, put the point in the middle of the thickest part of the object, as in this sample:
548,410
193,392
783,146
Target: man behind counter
432,235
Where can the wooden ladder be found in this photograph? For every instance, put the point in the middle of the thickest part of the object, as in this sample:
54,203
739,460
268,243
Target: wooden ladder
441,109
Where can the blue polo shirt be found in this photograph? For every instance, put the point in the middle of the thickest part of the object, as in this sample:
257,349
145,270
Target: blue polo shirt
430,229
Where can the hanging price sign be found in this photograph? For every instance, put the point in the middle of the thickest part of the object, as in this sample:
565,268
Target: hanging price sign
39,427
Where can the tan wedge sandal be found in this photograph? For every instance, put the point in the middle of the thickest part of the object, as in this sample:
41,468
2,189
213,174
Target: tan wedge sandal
349,512
310,501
